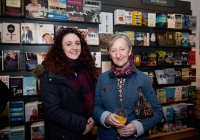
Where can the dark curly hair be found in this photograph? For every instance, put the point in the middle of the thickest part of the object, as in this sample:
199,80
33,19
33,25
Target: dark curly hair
57,62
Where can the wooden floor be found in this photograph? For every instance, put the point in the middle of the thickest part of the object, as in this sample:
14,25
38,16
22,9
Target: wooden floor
192,138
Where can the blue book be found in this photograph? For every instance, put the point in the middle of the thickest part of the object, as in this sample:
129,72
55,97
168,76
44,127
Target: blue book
16,111
185,21
170,91
29,86
185,39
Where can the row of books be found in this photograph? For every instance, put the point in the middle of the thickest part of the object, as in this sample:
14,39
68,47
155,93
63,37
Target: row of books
16,112
18,132
163,57
161,20
175,75
75,10
175,93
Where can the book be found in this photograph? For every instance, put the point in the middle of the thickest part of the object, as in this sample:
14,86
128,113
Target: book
161,55
57,9
170,92
119,16
191,57
30,60
177,57
161,20
137,18
11,59
5,133
37,130
103,38
106,25
128,18
185,21
151,19
185,92
152,39
192,40
151,59
144,18
10,33
40,57
177,111
130,35
46,33
97,58
183,110
169,74
29,86
151,76
189,121
31,111
178,38
84,33
74,10
161,40
106,65
12,7
185,75
170,20
93,36
178,93
139,38
16,111
192,74
40,111
169,58
170,41
5,79
191,92
36,9
160,77
137,59
16,86
178,21
192,23
146,39
185,39
184,58
30,33
168,112
177,75
91,11
161,95
17,133
144,57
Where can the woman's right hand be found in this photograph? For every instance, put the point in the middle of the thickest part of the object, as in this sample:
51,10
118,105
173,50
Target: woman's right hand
110,119
88,128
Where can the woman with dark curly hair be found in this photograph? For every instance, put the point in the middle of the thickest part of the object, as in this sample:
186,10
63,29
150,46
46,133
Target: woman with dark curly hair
67,84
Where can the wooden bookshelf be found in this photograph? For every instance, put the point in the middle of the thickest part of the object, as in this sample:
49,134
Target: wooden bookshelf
178,134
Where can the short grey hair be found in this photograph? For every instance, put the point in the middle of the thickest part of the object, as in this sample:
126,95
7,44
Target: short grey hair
114,37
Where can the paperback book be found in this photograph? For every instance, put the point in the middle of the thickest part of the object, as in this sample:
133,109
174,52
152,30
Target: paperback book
139,38
184,58
128,18
16,111
177,57
17,133
38,130
191,92
178,38
74,10
103,38
161,20
193,21
12,7
93,36
119,16
11,59
16,86
170,20
151,19
160,77
178,21
106,65
144,19
137,18
185,21
192,40
46,32
185,39
31,111
29,86
191,57
31,60
161,55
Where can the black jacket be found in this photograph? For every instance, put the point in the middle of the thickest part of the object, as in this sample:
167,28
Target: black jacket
4,96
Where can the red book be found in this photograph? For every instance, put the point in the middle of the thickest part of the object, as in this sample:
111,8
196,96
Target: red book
191,57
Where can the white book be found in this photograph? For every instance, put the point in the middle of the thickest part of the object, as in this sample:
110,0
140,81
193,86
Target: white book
97,58
170,20
106,65
93,36
17,133
106,25
31,111
178,93
128,17
119,16
151,19
10,32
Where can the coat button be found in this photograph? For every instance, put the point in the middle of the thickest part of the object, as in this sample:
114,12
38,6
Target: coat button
49,79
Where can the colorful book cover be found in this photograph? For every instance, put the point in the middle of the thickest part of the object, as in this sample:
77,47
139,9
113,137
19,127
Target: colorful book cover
161,95
16,111
11,60
177,111
151,59
152,39
12,7
169,58
161,55
177,57
91,11
178,94
40,57
170,20
38,131
75,12
144,57
29,86
169,75
178,21
36,9
185,39
84,33
170,41
93,36
128,18
161,20
191,92
192,40
192,74
151,19
193,21
185,21
46,32
31,111
137,59
16,86
10,33
185,75
130,35
17,133
97,58
160,77
57,9
137,18
178,38
184,58
191,57
170,92
183,110
119,16
30,60
139,38
103,38
144,19
185,92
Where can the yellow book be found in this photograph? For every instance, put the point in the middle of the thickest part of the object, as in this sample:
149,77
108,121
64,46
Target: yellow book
137,18
130,35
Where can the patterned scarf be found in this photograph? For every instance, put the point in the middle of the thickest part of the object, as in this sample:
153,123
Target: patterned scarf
83,85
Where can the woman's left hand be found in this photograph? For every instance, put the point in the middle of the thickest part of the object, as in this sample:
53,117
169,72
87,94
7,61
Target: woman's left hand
128,130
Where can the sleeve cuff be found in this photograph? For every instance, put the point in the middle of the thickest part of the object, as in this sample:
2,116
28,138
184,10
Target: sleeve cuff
103,118
139,128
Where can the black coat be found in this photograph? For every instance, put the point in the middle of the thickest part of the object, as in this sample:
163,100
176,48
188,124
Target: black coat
4,96
63,115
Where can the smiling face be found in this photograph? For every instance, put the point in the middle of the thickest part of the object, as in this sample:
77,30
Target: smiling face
72,46
119,53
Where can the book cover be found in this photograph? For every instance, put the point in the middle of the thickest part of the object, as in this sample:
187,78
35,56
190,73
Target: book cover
189,121
103,38
128,18
191,57
161,20
38,131
160,77
31,111
178,94
13,7
75,12
191,92
169,113
178,21
130,35
152,39
192,74
144,58
185,75
185,21
137,18
16,111
93,36
185,39
46,32
30,60
184,58
192,40
146,39
10,33
106,65
185,92
119,16
169,57
57,9
4,116
183,110
161,55
17,133
40,111
170,20
29,86
161,40
169,75
16,86
170,92
5,133
161,95
151,59
170,41
97,58
36,9
106,25
178,38
40,57
139,38
193,21
177,111
30,33
137,58
11,60
84,33
144,19
151,19
91,11
5,79
177,57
